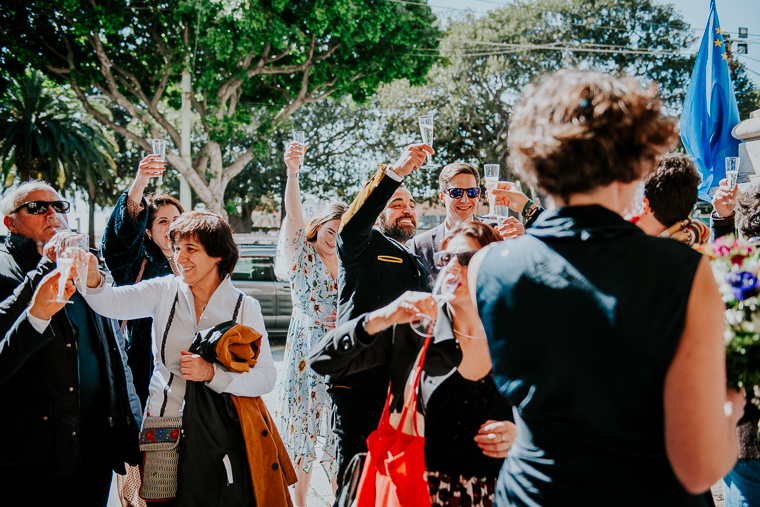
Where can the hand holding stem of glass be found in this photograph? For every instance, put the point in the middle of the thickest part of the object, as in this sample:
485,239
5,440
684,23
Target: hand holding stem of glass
732,171
426,129
159,148
492,182
299,137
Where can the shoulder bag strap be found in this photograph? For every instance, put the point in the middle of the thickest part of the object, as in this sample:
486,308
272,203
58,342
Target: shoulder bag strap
163,351
237,307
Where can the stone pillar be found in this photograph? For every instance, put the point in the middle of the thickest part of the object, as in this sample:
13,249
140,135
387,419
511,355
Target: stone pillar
749,151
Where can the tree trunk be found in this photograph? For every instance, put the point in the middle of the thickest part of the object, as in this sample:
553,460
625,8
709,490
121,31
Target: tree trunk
243,223
91,214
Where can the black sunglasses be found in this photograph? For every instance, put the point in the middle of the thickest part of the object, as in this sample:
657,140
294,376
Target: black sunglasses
41,207
463,258
456,193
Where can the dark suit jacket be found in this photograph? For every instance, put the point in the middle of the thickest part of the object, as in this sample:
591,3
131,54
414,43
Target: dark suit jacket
374,269
426,245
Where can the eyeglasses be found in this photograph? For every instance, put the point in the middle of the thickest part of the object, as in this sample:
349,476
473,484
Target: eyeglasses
456,193
41,207
443,258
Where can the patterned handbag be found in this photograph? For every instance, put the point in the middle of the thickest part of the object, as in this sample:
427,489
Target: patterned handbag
159,440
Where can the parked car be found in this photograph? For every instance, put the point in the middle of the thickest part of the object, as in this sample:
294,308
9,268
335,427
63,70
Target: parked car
254,275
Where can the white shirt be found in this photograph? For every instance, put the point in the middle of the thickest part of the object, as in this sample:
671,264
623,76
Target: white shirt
154,298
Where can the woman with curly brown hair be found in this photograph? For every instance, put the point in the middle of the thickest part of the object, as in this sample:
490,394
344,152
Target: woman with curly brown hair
608,342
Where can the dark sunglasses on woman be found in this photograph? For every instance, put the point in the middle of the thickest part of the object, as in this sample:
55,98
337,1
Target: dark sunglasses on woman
443,258
456,193
41,207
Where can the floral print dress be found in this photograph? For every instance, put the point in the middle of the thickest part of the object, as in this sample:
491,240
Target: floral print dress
304,411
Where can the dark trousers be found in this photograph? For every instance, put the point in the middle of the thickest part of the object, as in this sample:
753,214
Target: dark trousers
355,414
88,487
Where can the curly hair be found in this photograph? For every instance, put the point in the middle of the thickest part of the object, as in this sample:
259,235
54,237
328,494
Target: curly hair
579,130
748,213
475,229
672,188
211,231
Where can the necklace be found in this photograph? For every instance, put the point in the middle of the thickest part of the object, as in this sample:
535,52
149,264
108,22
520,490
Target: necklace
468,336
205,304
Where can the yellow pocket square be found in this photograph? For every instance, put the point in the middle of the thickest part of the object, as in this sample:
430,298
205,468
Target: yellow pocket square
390,258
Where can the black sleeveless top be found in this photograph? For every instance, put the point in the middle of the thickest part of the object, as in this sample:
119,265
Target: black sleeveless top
583,316
455,412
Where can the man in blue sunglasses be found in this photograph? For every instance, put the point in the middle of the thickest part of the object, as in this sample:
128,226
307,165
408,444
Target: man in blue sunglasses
459,191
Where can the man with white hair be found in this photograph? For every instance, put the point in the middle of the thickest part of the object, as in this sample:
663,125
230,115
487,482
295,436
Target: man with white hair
70,413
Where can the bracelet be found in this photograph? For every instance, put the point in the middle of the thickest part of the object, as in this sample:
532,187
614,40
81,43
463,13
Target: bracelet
526,207
293,175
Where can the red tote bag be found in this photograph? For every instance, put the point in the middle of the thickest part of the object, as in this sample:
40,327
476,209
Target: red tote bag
394,471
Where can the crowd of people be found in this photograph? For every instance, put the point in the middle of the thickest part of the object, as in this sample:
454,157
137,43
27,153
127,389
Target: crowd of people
571,356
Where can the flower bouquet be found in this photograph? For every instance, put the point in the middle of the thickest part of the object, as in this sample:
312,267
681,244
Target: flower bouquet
736,266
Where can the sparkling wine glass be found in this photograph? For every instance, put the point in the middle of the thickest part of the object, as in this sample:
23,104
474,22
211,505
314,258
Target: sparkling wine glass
500,210
58,223
443,292
299,137
82,243
732,170
426,129
492,182
64,262
159,148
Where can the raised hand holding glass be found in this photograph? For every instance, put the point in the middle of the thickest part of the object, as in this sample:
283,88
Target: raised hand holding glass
159,148
426,129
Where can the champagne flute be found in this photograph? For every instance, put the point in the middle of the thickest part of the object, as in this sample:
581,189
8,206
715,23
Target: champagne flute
159,148
500,210
58,223
443,292
299,137
732,170
492,182
82,242
64,260
426,129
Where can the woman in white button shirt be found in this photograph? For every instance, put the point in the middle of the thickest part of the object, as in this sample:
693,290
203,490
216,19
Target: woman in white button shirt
202,296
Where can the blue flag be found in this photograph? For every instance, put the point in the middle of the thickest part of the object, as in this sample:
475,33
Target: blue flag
710,111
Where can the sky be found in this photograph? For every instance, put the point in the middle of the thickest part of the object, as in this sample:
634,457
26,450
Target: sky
731,13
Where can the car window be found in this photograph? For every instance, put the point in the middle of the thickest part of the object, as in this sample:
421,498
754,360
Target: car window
254,269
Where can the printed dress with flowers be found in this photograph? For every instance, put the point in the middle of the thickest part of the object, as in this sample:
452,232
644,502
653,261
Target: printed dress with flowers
304,411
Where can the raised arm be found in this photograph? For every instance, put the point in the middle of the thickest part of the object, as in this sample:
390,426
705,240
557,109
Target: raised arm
124,303
357,222
365,341
150,167
124,235
293,221
700,414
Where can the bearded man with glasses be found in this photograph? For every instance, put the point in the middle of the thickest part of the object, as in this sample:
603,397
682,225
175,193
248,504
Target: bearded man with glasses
71,415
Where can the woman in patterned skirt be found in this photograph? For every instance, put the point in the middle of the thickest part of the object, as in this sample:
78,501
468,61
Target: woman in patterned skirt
308,260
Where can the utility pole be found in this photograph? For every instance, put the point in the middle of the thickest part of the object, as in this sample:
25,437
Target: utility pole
185,195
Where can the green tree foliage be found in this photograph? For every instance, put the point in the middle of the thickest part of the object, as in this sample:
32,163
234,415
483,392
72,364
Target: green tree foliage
253,62
486,63
43,135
